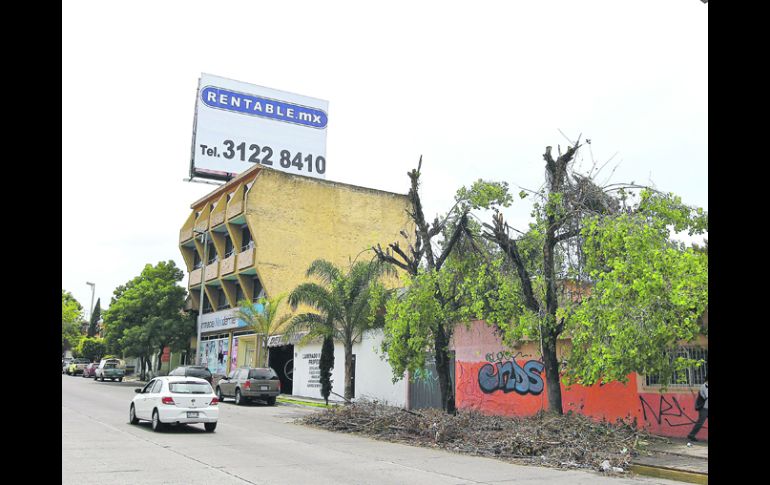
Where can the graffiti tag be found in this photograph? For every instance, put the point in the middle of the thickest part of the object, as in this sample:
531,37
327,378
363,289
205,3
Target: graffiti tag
665,411
509,376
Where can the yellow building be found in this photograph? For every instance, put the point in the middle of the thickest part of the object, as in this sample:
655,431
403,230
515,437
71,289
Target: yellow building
263,229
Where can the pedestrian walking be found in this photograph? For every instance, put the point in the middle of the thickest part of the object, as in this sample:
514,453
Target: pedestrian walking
702,405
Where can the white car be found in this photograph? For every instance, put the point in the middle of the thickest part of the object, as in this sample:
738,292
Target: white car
175,400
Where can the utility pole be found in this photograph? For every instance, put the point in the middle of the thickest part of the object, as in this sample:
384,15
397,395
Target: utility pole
91,308
203,282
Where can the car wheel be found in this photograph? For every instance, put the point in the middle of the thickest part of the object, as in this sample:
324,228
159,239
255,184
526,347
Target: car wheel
156,424
220,397
210,427
238,398
132,416
120,379
271,401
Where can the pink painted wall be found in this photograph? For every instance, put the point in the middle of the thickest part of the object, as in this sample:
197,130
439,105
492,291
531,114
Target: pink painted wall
480,358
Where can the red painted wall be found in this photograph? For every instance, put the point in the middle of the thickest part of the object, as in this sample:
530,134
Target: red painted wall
669,414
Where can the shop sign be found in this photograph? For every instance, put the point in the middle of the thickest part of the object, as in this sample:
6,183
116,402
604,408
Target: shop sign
222,320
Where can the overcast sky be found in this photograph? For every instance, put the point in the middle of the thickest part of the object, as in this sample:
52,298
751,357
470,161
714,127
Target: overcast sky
479,91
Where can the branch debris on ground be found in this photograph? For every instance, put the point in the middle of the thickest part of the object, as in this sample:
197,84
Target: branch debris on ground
568,441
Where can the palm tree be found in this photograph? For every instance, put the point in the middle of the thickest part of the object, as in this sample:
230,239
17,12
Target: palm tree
346,305
263,317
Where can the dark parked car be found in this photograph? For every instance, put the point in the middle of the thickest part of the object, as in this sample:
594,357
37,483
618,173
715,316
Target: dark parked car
249,383
90,369
193,371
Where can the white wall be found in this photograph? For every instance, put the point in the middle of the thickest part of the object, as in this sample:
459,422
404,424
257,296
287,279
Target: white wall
373,374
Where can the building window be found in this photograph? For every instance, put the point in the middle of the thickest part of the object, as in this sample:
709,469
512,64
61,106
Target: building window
197,263
248,243
229,250
689,377
222,303
239,295
259,292
212,254
206,304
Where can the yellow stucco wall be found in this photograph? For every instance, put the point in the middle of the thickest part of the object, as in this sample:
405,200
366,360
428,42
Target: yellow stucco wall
295,220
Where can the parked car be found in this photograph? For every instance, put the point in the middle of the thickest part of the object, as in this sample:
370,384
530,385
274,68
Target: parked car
247,383
110,369
65,363
90,369
77,366
174,400
193,371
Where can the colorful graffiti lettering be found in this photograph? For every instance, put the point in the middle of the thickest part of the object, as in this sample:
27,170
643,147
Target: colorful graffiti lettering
509,376
666,410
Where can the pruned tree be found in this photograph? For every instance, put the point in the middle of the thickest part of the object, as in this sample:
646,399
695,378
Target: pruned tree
564,278
421,319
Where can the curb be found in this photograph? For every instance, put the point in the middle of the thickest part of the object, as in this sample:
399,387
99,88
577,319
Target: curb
670,473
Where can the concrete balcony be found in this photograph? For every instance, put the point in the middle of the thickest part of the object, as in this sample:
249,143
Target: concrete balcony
202,225
234,208
185,235
227,266
195,277
246,259
212,270
217,219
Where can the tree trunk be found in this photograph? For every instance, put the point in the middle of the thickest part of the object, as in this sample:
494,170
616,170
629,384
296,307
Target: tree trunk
348,370
446,386
553,382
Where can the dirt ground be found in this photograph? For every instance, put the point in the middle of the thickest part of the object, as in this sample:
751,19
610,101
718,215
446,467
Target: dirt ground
568,441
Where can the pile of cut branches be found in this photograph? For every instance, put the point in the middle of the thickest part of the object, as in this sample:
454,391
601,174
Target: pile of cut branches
568,441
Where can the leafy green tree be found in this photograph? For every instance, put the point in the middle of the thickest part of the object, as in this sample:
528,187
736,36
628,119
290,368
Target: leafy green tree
97,314
345,304
146,314
422,318
71,317
91,348
578,272
266,319
649,292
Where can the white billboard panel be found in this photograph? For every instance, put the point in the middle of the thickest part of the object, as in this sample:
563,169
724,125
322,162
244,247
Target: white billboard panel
238,125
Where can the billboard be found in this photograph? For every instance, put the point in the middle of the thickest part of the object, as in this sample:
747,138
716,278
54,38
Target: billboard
238,125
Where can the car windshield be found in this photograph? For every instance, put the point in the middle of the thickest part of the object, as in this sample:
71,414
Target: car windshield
198,372
190,388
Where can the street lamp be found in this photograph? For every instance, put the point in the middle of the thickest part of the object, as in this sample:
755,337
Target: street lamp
200,306
91,310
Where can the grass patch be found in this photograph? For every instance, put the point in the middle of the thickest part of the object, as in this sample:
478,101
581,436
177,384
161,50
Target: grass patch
305,403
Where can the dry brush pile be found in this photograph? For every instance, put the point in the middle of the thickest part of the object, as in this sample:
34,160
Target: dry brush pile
568,441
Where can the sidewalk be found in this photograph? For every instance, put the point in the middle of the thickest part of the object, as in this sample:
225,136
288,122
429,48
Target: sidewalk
675,461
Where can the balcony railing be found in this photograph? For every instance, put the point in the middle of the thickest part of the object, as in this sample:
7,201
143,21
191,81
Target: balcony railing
228,264
217,219
212,271
234,208
246,258
195,277
185,234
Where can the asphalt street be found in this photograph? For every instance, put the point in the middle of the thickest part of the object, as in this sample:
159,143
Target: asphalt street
261,444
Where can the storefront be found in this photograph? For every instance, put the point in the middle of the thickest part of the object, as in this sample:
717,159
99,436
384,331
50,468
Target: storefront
223,347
